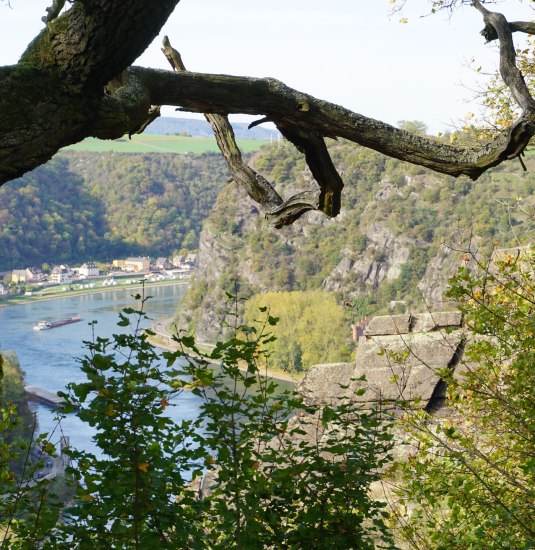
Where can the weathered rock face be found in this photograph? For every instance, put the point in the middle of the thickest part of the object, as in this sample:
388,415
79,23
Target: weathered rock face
400,356
380,261
425,343
439,270
383,252
424,354
230,249
322,383
227,255
224,258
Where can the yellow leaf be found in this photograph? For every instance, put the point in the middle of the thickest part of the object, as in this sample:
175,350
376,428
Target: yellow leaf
111,410
164,402
403,20
144,466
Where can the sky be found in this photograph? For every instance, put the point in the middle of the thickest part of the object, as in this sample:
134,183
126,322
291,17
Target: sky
350,52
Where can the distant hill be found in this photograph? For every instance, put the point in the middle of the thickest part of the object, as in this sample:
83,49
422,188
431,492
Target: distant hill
201,128
160,143
82,206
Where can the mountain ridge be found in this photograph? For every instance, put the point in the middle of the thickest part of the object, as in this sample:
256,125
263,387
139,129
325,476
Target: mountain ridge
201,128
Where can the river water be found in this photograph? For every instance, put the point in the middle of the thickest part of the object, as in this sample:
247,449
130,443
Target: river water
49,357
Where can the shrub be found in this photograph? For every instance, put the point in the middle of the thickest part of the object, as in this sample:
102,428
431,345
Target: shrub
471,483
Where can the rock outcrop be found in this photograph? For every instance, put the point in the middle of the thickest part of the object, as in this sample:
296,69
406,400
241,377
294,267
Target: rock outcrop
379,262
435,280
400,357
384,252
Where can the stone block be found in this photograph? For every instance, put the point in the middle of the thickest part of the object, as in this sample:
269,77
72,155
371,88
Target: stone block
426,322
416,376
388,324
321,384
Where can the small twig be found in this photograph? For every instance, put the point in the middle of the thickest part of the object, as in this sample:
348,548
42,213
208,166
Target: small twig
522,154
258,122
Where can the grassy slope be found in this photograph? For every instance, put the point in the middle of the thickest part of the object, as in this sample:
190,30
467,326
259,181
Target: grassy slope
154,143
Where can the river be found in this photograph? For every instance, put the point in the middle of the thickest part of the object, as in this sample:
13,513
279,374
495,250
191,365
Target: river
49,358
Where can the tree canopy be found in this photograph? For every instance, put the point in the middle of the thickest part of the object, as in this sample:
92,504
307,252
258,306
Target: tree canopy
76,80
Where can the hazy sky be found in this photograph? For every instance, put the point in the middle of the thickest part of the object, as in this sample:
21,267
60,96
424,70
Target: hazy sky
350,52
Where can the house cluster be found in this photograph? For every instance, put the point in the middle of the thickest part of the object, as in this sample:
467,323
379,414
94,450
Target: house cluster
156,270
179,265
59,274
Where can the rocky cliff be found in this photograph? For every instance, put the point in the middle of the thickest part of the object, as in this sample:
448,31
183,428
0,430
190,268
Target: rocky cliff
392,249
423,343
399,360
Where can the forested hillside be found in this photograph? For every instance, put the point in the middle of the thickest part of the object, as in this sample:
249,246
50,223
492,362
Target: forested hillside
83,206
12,395
392,248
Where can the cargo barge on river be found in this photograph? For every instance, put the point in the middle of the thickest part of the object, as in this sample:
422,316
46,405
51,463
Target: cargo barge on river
45,325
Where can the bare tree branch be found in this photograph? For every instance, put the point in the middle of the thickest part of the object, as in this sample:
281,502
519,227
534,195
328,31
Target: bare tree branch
312,145
497,25
224,94
527,27
258,188
74,81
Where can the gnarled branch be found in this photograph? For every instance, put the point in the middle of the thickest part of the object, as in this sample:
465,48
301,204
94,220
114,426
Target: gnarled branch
312,145
224,94
58,88
496,25
279,213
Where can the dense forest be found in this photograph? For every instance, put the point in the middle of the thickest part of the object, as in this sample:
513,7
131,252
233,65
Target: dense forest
84,206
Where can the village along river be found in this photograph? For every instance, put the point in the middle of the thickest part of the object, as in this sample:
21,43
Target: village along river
49,357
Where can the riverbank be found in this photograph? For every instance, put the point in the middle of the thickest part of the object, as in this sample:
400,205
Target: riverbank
163,339
59,295
50,358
